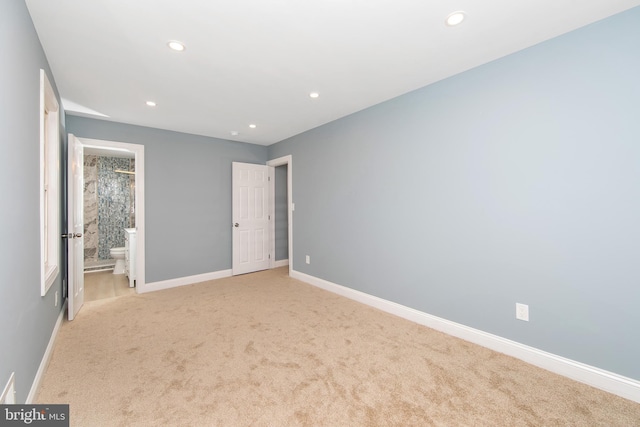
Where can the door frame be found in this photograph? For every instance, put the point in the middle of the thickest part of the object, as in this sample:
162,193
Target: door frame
138,151
281,161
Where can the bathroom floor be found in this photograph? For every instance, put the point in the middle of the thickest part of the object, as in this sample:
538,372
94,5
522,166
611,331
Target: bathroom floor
105,284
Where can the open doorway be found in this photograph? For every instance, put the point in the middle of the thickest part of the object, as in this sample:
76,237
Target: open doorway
261,216
281,209
113,207
281,220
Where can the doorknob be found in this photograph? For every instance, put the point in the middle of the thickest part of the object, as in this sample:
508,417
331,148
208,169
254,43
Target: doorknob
236,225
71,235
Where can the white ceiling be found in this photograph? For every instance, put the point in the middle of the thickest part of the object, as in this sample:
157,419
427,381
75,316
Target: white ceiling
256,61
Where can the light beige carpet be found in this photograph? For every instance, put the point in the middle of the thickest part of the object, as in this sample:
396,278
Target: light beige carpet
266,350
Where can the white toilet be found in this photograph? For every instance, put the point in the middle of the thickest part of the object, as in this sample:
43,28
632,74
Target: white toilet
118,255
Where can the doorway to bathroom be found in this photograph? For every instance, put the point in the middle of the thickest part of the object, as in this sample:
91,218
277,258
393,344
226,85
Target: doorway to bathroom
109,207
111,198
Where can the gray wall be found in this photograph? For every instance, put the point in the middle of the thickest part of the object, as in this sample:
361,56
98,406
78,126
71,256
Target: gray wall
187,194
516,181
281,220
27,319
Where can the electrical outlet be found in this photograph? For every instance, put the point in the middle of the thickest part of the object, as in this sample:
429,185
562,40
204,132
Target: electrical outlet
522,312
308,259
57,298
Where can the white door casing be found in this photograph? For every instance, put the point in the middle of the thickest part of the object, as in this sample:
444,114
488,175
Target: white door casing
75,226
281,161
250,215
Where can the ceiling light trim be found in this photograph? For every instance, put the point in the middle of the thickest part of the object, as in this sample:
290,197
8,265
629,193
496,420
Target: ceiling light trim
455,18
176,45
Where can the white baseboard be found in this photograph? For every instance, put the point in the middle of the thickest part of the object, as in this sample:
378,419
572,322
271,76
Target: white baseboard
595,377
35,386
281,263
182,281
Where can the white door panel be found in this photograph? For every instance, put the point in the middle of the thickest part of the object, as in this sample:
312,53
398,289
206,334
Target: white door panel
250,218
75,226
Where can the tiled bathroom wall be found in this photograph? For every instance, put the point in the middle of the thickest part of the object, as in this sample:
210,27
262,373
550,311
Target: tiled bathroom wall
90,208
108,204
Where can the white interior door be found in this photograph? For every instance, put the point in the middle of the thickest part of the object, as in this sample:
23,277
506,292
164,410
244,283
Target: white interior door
75,226
250,218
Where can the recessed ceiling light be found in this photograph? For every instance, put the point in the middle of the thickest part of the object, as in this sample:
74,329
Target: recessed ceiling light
176,45
234,132
314,94
455,18
252,126
151,103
